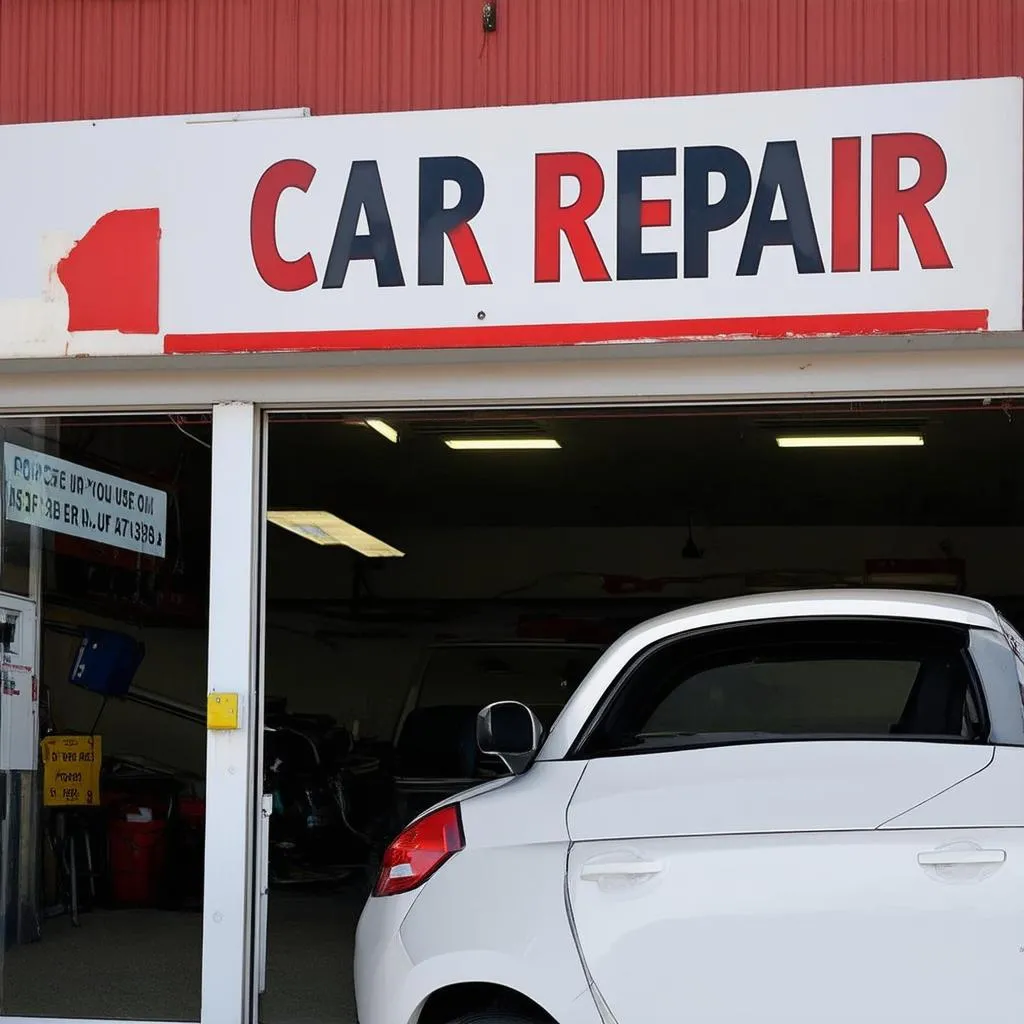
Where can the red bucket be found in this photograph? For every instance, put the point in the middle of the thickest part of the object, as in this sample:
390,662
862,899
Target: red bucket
138,852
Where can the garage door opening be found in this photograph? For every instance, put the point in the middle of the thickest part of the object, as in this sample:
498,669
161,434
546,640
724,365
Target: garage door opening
421,565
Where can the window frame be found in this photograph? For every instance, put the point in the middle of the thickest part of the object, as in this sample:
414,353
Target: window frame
580,748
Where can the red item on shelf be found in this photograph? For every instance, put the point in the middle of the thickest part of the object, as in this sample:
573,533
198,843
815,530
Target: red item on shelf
138,852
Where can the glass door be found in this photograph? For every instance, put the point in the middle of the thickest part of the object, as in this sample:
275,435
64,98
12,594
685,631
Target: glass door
104,638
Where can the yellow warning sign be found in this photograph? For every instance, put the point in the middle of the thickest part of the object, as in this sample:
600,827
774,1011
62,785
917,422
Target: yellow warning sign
71,771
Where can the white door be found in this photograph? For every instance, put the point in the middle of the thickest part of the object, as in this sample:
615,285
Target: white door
743,875
825,924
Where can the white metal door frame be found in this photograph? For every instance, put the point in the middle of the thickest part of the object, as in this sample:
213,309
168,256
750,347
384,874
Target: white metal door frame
728,373
232,756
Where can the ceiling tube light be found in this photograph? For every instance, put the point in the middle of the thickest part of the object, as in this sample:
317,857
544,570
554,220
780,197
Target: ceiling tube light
499,444
327,529
384,429
852,441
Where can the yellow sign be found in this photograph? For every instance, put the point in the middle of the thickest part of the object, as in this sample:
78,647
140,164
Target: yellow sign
71,771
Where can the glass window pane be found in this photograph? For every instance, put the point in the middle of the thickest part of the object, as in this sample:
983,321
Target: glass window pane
786,680
103,610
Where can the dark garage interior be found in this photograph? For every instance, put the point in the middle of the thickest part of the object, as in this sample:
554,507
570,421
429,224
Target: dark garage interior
517,565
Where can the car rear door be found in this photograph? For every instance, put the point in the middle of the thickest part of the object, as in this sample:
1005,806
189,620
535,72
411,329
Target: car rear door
737,877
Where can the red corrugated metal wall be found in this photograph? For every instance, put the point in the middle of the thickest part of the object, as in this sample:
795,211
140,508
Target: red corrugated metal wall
68,59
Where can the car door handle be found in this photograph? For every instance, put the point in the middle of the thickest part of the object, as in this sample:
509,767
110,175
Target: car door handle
625,869
942,858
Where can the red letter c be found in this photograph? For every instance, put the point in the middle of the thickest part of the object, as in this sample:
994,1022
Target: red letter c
276,271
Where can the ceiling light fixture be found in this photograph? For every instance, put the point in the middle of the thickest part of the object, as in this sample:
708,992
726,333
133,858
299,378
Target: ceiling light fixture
327,529
384,429
852,441
497,444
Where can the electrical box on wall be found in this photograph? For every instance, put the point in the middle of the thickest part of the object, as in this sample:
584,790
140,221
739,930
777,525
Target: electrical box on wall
19,688
222,711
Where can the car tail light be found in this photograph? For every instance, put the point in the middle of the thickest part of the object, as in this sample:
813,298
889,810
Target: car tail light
419,851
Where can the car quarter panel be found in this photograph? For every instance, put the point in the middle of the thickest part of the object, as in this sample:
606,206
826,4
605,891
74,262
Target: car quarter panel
381,965
496,911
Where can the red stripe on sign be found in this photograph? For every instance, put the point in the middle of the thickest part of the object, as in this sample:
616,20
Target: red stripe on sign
539,335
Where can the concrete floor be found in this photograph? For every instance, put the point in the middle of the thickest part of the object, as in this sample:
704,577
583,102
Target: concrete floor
146,965
309,959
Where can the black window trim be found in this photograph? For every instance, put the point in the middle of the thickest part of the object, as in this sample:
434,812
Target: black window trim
577,752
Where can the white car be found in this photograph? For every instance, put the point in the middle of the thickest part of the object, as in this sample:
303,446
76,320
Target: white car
805,807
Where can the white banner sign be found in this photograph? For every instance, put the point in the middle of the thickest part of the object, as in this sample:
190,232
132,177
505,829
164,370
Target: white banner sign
41,490
888,209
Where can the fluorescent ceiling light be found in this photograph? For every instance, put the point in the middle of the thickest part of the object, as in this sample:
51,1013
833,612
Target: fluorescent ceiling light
853,441
384,429
497,444
327,529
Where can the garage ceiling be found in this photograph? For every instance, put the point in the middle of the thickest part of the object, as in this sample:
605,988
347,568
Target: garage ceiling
657,468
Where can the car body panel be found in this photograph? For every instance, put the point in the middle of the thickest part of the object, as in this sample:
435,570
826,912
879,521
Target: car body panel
513,872
765,787
532,952
992,799
844,927
381,966
526,810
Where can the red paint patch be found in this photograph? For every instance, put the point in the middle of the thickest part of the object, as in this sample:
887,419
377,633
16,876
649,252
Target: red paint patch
112,274
761,327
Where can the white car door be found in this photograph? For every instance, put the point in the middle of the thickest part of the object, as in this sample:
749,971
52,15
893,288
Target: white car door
746,873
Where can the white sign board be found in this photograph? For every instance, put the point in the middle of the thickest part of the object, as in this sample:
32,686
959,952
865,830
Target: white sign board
41,490
889,209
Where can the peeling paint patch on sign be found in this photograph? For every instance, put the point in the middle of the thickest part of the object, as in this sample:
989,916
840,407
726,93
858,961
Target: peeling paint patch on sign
112,274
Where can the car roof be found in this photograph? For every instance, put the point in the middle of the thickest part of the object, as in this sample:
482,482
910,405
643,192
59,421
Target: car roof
796,604
903,604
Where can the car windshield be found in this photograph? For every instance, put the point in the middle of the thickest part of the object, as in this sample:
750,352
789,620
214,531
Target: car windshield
476,675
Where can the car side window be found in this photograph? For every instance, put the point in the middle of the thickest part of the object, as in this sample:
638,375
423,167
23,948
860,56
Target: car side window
806,679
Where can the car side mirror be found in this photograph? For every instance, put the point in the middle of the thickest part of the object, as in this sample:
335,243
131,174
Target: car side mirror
511,732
